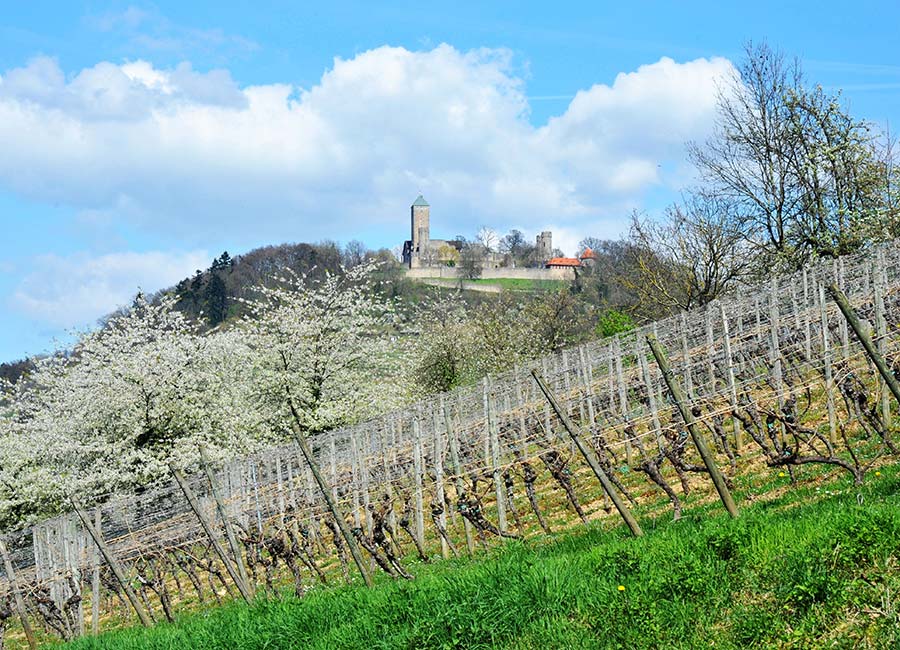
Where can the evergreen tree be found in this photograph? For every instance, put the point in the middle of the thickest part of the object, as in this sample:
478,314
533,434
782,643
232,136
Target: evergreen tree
215,300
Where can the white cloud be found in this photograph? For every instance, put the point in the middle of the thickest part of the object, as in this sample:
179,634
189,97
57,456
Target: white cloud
178,149
74,291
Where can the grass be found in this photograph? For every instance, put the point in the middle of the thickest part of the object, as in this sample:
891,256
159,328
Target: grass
806,569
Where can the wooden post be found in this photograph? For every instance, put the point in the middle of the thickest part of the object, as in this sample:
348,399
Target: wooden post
775,349
684,408
589,456
95,580
865,339
325,489
651,396
623,397
457,471
494,444
207,528
710,350
418,469
113,563
226,520
806,308
686,353
17,595
829,378
838,276
354,480
438,458
729,377
881,332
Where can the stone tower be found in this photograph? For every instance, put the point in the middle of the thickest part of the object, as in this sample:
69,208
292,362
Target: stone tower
420,216
544,245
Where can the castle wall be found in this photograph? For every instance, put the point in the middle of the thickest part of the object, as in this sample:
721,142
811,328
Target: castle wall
494,274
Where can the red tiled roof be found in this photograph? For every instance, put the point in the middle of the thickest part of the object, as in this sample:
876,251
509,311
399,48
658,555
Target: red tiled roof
563,261
588,254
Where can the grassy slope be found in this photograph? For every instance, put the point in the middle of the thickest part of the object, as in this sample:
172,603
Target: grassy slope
806,569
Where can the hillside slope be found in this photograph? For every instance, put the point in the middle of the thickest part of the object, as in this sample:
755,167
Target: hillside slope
795,571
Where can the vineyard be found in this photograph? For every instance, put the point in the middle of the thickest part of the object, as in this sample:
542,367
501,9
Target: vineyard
776,377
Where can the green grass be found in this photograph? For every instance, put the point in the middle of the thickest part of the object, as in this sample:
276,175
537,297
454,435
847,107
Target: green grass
799,571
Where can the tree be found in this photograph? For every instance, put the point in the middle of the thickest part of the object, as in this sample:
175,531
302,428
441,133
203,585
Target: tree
512,242
215,299
354,254
594,243
145,389
471,261
799,171
323,349
690,259
487,237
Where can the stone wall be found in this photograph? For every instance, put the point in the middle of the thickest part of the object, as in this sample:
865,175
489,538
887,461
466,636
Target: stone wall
494,274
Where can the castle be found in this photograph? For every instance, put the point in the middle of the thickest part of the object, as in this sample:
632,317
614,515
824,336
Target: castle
421,251
437,258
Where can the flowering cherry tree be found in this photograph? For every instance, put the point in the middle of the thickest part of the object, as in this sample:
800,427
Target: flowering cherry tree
325,350
149,388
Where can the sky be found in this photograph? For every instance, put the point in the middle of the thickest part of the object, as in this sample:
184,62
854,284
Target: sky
140,140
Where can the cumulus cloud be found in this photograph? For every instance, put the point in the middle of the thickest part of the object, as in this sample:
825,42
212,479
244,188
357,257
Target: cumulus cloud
180,149
74,291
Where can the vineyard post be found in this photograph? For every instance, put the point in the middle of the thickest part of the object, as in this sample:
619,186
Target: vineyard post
837,273
729,376
113,563
494,444
589,456
881,331
623,398
777,372
226,520
686,353
710,350
651,397
457,470
279,480
207,528
95,581
332,505
865,339
354,479
588,380
808,348
17,595
684,408
438,458
419,492
829,377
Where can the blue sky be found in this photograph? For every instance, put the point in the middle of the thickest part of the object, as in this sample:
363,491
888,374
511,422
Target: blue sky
140,140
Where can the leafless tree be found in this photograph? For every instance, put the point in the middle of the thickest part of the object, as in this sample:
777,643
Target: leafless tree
689,259
800,172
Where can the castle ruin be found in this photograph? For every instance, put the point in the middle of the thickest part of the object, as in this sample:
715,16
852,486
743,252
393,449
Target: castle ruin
420,251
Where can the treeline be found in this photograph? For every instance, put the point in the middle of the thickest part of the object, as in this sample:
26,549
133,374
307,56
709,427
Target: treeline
215,294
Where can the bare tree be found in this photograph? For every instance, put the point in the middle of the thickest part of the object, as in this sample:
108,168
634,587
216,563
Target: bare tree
488,239
689,259
471,261
799,170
